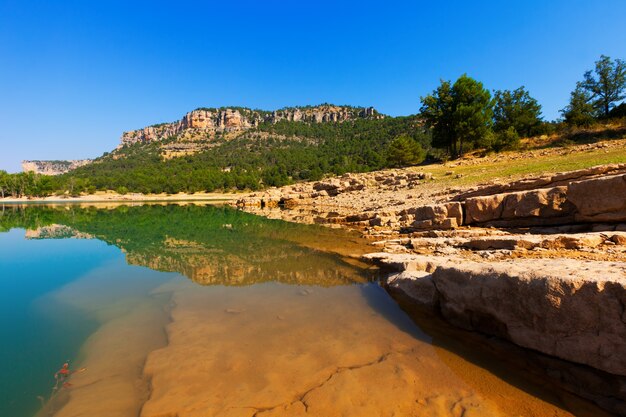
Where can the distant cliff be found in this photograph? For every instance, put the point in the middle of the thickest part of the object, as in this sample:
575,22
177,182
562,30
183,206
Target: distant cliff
53,167
206,123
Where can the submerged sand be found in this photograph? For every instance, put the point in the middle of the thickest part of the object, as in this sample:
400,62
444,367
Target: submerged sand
280,350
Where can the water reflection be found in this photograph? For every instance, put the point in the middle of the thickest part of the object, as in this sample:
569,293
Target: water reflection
209,245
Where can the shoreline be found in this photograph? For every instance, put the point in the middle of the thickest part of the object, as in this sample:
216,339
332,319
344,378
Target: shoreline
527,261
482,256
156,375
112,197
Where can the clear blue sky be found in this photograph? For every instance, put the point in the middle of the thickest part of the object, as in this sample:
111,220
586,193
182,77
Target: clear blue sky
75,74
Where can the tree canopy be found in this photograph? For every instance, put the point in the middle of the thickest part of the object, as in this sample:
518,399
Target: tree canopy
460,115
516,109
579,111
605,84
404,151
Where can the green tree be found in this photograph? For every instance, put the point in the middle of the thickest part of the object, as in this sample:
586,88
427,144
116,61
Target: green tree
122,190
606,84
579,111
516,109
403,151
618,111
459,115
4,183
437,110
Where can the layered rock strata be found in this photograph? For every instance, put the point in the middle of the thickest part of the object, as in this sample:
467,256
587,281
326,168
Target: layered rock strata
540,262
53,167
586,196
209,122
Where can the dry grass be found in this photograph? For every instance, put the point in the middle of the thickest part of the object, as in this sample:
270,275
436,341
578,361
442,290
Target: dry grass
511,166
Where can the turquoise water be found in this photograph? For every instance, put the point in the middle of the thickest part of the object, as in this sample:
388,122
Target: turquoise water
194,300
40,331
39,271
39,335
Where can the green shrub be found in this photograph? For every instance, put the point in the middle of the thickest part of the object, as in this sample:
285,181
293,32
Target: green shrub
505,140
403,151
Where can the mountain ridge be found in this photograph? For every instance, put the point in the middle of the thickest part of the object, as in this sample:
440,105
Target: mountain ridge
208,122
205,124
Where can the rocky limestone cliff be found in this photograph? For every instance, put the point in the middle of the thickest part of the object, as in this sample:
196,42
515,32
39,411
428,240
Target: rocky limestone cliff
206,122
53,167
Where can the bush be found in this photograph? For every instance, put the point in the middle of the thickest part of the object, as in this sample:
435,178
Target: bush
545,128
403,151
122,190
501,141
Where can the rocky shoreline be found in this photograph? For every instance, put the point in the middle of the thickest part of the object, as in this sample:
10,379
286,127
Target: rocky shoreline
539,262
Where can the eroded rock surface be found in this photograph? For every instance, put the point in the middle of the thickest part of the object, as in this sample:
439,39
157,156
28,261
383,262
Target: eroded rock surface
204,123
282,361
540,262
566,308
53,167
386,200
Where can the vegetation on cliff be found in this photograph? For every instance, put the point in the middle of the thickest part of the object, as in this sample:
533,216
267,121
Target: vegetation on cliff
291,151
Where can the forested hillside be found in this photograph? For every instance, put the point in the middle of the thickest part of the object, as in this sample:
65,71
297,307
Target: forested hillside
272,154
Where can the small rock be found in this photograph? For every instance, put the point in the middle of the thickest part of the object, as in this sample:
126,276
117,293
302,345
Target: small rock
618,239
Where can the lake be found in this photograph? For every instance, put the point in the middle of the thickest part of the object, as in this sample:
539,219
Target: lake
201,310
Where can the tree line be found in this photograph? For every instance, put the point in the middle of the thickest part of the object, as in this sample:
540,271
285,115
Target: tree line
464,115
454,118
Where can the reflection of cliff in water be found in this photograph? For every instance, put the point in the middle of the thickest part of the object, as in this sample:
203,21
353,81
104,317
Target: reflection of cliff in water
210,245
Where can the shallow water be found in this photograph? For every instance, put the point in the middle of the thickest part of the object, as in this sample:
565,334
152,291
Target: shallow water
205,311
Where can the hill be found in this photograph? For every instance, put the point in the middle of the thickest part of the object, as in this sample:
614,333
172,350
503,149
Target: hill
237,148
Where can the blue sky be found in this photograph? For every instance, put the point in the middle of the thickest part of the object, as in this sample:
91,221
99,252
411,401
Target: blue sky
75,74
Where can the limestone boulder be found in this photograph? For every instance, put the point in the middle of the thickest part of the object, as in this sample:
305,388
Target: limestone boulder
567,308
599,199
444,216
483,209
535,206
418,285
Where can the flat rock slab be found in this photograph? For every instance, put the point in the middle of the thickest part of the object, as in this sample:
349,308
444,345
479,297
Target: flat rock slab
568,308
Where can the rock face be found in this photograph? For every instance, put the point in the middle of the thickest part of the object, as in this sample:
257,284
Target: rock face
565,308
209,122
53,167
441,216
601,199
534,206
594,196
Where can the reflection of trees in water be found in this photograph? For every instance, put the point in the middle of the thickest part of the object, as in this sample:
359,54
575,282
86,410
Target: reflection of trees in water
210,245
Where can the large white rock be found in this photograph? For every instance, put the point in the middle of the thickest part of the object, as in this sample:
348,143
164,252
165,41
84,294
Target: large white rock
575,310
